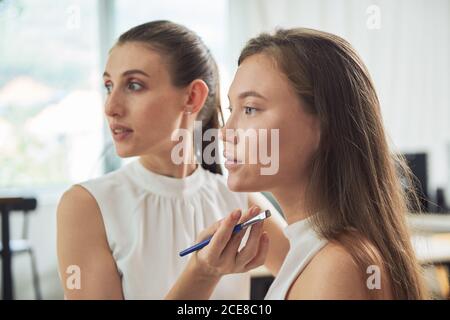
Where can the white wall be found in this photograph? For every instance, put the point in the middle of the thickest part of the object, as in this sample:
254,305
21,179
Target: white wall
408,58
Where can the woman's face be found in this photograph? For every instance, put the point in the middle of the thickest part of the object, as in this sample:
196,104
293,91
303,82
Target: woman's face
261,97
142,107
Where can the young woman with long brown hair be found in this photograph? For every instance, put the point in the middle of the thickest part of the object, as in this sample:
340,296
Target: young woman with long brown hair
338,183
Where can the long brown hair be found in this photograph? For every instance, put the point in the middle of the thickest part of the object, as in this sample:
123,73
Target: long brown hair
355,186
188,59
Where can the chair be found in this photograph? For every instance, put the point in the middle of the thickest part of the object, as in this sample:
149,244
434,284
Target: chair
23,245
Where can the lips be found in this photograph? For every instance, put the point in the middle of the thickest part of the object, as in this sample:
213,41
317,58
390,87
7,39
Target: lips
117,128
231,160
120,132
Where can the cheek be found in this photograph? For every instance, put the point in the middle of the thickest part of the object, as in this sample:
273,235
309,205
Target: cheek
156,118
256,136
297,148
259,142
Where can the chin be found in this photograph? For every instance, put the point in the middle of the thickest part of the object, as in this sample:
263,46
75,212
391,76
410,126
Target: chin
239,183
124,153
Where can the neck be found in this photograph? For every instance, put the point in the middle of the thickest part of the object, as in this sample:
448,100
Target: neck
162,163
291,198
160,166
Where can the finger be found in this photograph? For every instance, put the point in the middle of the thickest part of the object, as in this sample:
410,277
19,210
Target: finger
251,247
232,247
251,212
209,231
261,255
231,250
223,234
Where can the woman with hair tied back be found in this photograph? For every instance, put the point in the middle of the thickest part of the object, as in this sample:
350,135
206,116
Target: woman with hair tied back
125,229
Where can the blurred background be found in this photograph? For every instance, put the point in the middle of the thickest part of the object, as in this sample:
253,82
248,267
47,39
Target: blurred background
53,133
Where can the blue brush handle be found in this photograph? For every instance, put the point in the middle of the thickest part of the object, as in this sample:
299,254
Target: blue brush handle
205,242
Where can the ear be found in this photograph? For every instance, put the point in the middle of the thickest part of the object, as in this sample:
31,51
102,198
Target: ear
197,94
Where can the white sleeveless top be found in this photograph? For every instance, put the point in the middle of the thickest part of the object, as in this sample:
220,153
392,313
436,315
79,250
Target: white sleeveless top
150,218
304,245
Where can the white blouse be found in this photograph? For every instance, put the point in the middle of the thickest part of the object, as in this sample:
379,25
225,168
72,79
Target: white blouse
150,218
304,245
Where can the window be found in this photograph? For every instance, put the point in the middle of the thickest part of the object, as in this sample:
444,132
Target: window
51,118
52,128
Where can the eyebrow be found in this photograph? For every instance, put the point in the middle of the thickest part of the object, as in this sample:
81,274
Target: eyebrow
246,94
128,72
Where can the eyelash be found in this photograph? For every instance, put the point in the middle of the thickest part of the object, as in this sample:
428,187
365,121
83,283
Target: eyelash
108,86
246,108
134,83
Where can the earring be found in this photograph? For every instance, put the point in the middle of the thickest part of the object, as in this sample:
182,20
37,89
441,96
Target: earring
188,112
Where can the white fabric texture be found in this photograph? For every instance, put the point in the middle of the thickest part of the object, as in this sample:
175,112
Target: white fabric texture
304,245
150,218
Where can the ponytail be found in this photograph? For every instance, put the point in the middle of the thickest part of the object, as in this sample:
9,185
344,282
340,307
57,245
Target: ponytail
212,123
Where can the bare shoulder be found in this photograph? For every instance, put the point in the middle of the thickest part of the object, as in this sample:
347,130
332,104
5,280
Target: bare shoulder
78,215
82,242
76,197
78,210
332,274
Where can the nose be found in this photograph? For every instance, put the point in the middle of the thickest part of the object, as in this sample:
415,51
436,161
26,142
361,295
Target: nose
114,105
